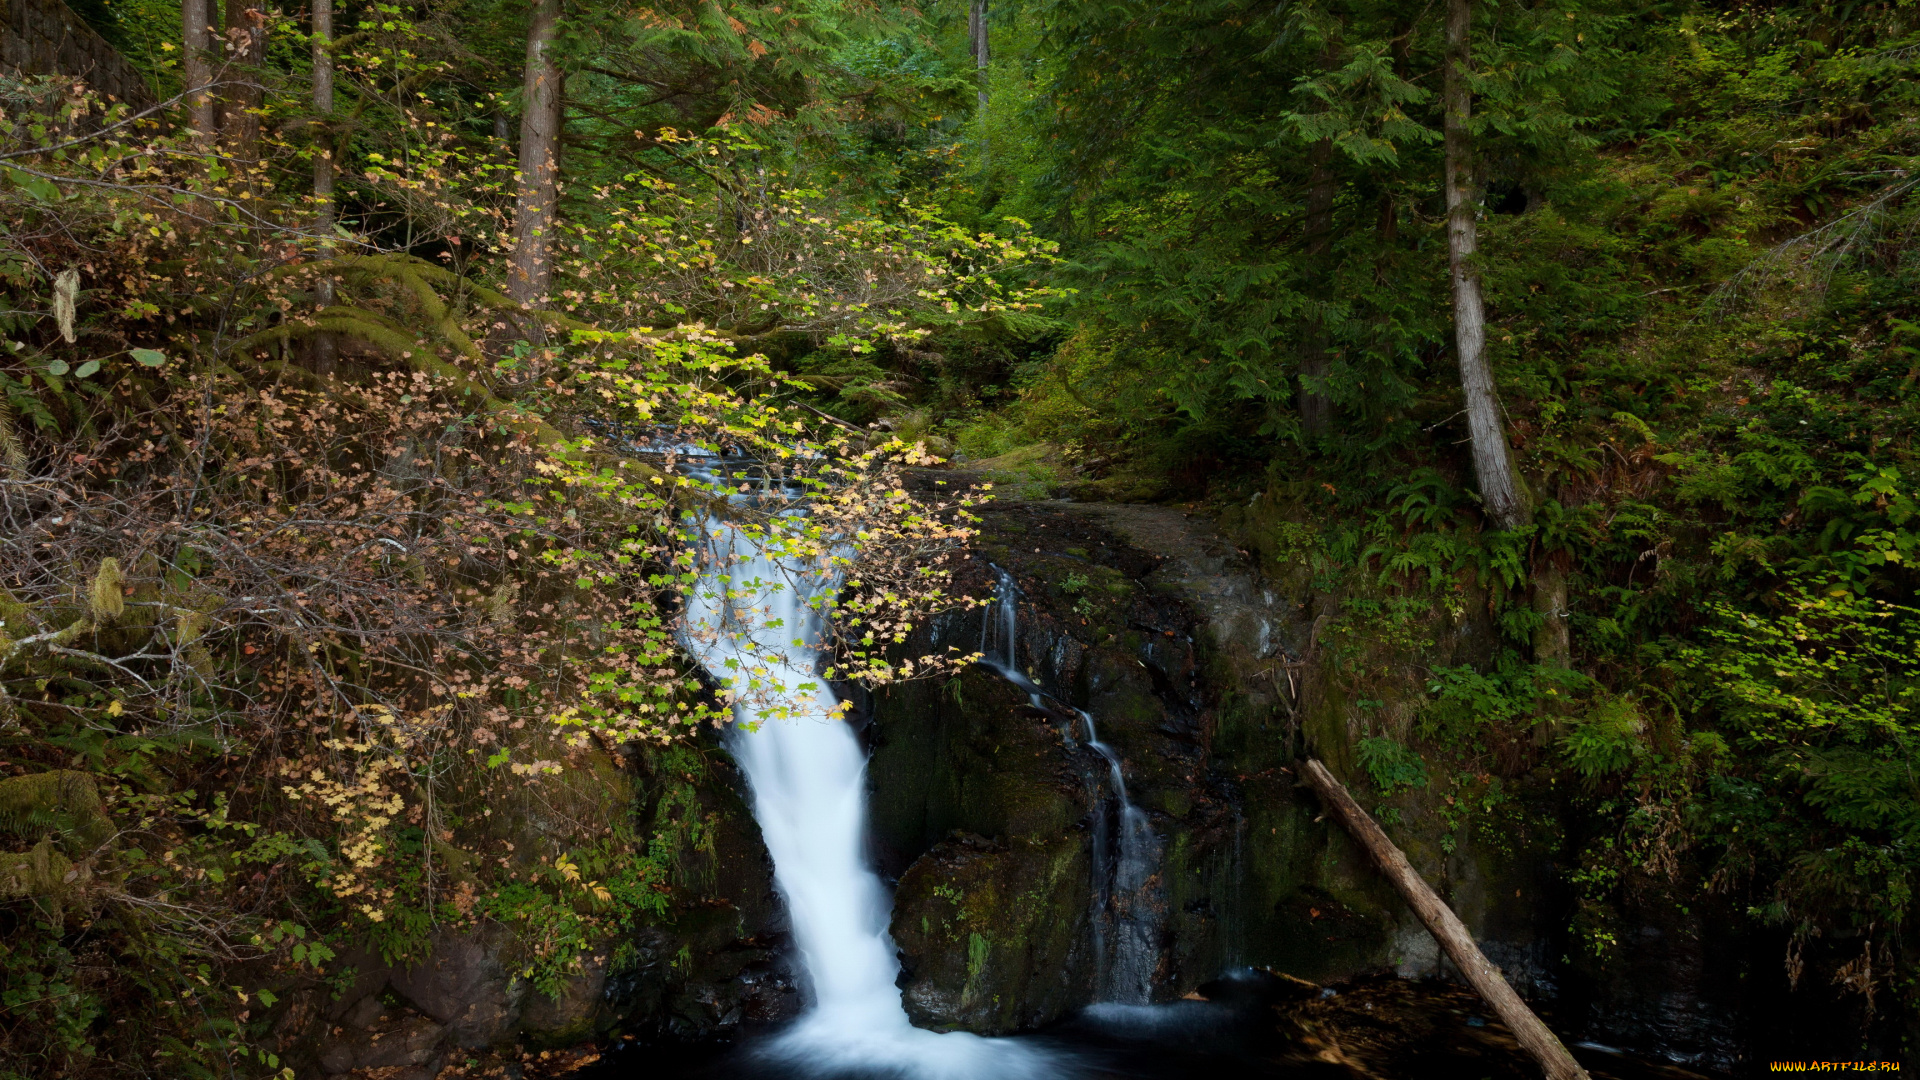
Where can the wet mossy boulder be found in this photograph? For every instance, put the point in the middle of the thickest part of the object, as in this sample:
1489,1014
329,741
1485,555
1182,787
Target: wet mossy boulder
992,921
968,754
993,937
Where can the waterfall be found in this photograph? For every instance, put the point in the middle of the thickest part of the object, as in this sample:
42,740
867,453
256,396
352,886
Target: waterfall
999,637
1233,933
1123,870
750,624
1125,850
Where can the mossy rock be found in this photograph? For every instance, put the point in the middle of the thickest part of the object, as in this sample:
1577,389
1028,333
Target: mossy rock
1312,904
960,755
40,873
1125,486
62,802
992,937
719,958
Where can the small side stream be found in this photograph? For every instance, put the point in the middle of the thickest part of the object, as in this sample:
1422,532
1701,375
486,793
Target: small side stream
1126,853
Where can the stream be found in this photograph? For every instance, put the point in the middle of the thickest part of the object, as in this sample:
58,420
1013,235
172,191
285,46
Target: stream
750,623
1252,1026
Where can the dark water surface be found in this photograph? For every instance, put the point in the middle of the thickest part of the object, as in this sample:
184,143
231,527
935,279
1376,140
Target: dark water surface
1254,1027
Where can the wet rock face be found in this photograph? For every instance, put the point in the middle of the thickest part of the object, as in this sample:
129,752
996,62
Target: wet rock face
992,932
990,812
719,960
967,757
374,1036
577,1011
462,996
1193,669
722,958
464,985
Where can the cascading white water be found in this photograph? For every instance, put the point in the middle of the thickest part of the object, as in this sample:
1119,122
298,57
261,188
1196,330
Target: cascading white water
749,621
1125,923
999,629
1123,872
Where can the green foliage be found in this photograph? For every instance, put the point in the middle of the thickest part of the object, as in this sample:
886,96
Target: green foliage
41,993
1465,704
1381,630
1606,740
576,903
1700,291
1393,766
1817,698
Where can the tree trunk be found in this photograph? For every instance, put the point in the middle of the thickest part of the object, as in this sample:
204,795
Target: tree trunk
323,149
323,168
1552,644
977,36
196,43
1535,1037
531,270
1552,641
1316,409
323,104
1492,460
240,102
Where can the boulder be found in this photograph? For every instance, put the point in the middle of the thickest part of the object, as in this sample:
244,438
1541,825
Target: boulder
993,938
576,1011
370,974
401,1038
463,984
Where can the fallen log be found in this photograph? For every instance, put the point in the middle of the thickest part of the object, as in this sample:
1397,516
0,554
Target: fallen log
1447,929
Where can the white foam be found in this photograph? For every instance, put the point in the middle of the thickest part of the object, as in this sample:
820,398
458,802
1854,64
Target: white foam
1156,1021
